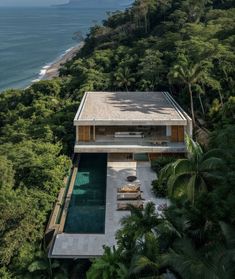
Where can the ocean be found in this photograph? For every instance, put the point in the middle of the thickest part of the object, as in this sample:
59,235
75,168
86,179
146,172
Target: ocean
33,38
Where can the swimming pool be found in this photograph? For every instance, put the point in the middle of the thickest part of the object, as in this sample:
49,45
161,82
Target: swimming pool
86,213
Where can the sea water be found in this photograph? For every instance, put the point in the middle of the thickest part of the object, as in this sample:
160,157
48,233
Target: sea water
32,38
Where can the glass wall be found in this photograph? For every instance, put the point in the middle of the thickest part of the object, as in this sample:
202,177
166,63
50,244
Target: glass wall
144,131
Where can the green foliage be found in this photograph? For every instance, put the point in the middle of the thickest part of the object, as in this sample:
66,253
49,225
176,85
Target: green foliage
195,174
32,170
29,156
192,239
161,162
107,266
190,43
4,274
42,267
7,173
160,188
21,223
224,115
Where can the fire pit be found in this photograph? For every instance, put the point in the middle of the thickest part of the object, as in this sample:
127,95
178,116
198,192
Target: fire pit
131,178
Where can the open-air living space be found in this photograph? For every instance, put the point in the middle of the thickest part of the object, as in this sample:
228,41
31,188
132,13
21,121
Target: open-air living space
117,136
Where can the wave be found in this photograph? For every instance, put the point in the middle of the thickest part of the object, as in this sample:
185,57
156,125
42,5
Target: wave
45,68
42,73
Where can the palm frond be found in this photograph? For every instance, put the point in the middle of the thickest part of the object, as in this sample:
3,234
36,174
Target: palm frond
191,185
229,233
211,164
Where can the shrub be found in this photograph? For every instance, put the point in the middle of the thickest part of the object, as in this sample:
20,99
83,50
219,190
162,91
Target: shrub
161,162
159,188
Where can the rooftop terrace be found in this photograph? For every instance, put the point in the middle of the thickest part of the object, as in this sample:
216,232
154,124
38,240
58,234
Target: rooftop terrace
115,108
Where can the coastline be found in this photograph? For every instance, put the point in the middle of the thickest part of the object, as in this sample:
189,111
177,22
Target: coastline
51,71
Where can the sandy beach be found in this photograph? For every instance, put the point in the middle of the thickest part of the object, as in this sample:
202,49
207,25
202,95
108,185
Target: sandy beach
53,69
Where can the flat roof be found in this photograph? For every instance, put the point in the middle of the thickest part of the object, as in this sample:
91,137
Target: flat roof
134,108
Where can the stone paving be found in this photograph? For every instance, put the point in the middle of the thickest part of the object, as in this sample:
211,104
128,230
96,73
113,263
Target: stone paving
91,245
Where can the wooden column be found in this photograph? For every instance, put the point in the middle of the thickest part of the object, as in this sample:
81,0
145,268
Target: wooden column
94,133
177,133
77,133
84,133
174,133
180,133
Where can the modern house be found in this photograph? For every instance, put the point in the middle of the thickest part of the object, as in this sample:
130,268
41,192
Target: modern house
117,134
130,122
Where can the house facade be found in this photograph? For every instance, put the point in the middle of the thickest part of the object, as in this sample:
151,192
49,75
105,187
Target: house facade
132,123
117,134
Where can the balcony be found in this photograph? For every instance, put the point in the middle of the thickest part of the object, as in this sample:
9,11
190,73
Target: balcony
133,144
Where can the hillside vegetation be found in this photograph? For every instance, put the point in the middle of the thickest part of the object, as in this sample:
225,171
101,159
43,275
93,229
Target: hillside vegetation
185,47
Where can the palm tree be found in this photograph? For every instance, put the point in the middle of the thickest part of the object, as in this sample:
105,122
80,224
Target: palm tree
43,268
213,261
148,256
123,78
140,222
141,11
191,74
107,266
193,174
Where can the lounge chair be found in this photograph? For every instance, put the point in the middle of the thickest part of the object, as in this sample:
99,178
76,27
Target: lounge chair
129,196
125,205
129,188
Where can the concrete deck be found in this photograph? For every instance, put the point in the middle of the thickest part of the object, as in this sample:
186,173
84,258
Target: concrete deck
91,245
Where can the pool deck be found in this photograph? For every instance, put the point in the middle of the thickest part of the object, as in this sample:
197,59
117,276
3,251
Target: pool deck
91,245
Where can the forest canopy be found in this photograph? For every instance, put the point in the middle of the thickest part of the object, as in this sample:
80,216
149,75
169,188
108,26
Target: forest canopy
185,47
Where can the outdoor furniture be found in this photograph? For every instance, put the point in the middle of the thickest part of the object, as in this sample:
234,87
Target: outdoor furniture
129,196
131,178
125,205
162,142
129,189
128,135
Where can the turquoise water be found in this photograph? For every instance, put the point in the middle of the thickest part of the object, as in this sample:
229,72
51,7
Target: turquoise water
86,212
32,38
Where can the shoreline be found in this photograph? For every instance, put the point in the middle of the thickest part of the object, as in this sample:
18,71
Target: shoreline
51,71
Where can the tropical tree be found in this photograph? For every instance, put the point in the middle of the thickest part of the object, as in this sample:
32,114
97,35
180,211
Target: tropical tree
191,74
194,174
44,268
7,173
140,222
214,260
107,266
148,258
123,78
150,68
142,9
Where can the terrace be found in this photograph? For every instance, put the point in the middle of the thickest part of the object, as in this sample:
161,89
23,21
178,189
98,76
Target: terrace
89,245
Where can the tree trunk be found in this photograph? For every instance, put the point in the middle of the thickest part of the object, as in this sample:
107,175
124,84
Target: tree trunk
200,100
126,88
221,98
146,23
191,103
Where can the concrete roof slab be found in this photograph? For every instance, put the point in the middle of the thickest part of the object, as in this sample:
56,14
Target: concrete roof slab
131,107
